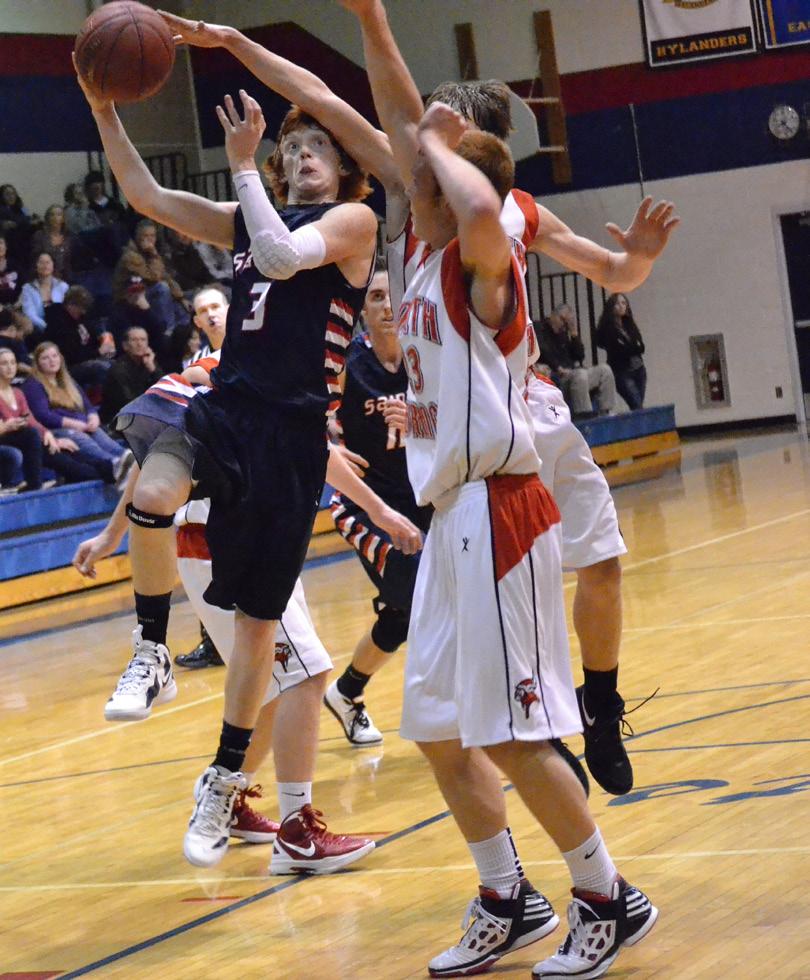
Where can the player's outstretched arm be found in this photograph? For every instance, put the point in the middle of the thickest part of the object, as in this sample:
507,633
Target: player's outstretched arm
484,246
396,97
342,235
367,145
194,216
642,242
405,536
109,537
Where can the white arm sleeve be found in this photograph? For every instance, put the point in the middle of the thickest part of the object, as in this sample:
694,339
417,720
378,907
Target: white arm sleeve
277,252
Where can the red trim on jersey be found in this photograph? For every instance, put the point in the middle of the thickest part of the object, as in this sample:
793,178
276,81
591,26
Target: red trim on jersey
411,241
178,399
521,509
206,363
191,542
531,213
546,380
509,337
453,291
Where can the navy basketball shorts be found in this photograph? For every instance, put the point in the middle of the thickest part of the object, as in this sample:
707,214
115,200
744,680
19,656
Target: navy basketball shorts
392,572
259,529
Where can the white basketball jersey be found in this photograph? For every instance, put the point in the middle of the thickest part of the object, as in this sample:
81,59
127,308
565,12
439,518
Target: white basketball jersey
467,419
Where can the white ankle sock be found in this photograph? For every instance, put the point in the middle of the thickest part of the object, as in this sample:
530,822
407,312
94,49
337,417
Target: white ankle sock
590,865
292,796
497,863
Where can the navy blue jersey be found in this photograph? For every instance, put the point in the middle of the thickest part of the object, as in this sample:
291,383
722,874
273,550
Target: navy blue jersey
285,340
368,387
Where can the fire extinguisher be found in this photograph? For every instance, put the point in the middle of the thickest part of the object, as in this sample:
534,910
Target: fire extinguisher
714,376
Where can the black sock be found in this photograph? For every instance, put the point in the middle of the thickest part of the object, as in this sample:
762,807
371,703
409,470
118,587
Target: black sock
233,743
153,615
352,683
600,685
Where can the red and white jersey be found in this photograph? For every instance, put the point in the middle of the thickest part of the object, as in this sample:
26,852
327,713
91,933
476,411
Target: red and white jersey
467,419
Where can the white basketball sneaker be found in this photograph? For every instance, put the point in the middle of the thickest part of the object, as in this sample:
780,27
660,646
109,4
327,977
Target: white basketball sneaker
358,727
147,680
215,794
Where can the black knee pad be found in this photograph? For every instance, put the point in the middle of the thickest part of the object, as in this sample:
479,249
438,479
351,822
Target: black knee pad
143,519
391,629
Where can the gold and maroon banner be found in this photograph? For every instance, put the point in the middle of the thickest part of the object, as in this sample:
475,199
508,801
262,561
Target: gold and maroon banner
678,31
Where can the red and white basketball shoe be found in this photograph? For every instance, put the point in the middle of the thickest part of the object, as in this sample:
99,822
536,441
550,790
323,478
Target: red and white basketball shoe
251,826
303,845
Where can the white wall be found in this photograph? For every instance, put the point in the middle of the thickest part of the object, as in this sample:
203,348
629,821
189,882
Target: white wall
40,178
588,33
42,16
720,274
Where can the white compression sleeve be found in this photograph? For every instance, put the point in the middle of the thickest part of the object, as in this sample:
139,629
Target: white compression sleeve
277,252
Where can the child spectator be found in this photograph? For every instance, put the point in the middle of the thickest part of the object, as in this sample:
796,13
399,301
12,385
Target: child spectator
88,351
43,290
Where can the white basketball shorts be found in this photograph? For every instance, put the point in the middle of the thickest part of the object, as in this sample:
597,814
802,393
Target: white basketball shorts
299,651
590,528
487,657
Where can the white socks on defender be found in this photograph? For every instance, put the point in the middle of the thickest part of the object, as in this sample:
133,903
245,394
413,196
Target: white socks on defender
590,865
291,797
498,865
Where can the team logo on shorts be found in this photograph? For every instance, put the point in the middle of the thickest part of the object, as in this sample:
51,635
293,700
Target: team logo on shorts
526,694
283,654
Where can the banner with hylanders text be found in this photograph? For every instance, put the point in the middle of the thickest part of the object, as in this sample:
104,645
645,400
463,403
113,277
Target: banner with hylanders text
679,31
785,22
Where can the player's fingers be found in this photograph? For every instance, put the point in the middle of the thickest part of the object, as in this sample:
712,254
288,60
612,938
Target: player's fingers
657,211
230,108
224,120
615,231
355,458
644,207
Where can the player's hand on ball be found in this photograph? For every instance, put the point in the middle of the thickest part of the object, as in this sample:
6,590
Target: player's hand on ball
197,33
242,136
360,7
96,102
405,536
649,231
445,122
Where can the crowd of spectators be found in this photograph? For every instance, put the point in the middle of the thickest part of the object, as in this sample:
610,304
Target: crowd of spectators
95,305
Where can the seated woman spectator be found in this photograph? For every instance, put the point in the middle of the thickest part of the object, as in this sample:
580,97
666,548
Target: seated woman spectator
618,335
141,258
58,403
54,238
16,224
10,279
36,447
43,290
87,350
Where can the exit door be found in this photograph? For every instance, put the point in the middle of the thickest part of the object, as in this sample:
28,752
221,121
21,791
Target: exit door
796,239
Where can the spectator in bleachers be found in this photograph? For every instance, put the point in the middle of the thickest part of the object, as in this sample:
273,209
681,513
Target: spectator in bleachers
16,223
57,402
54,238
37,447
218,261
141,258
109,237
88,350
184,345
10,338
132,372
10,279
43,290
133,309
185,262
618,335
79,216
561,348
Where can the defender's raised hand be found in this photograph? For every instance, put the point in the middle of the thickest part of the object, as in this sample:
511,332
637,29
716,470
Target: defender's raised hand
197,33
649,231
445,122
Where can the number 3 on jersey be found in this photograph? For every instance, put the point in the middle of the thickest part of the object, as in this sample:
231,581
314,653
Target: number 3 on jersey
414,367
255,319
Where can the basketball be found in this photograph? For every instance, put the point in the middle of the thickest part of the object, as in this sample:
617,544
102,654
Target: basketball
124,51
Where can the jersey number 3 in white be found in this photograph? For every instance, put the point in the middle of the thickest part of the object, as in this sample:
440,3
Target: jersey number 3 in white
255,319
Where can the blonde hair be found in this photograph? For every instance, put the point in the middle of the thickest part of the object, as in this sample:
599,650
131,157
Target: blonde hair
65,393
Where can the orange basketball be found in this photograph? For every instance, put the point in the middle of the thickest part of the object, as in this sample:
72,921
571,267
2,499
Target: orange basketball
124,51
